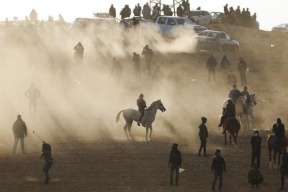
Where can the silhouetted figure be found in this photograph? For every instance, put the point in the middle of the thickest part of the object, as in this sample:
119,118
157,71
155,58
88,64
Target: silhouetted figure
116,70
228,111
112,11
211,65
136,61
78,54
256,141
146,12
245,92
125,12
19,131
242,67
180,11
284,167
61,19
279,130
224,65
234,94
149,54
231,78
218,167
47,154
167,10
226,10
32,94
137,10
185,5
175,161
141,103
158,74
255,177
198,8
238,11
203,135
33,16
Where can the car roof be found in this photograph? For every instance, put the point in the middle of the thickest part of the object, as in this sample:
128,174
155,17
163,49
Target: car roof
176,17
213,31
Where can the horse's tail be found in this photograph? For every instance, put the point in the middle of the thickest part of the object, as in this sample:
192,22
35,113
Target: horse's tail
118,116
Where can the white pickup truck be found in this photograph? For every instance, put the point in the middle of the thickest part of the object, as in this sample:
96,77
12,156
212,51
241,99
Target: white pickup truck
168,24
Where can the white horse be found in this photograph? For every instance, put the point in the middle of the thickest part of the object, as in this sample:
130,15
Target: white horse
131,115
244,107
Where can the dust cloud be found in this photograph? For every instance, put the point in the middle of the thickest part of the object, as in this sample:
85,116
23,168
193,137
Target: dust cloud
81,101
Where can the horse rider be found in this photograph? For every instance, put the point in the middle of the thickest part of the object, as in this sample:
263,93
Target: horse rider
228,111
278,130
245,92
234,94
141,107
256,148
284,167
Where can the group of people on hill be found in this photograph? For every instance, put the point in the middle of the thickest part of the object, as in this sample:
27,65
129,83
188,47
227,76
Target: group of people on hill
238,17
227,72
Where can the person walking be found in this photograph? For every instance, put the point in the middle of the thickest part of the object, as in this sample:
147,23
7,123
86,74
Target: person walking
284,167
256,148
211,65
175,161
19,131
218,167
224,65
136,61
32,94
47,154
141,103
203,134
149,54
112,11
242,67
78,54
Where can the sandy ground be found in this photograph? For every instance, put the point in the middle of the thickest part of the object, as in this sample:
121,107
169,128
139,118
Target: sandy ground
91,154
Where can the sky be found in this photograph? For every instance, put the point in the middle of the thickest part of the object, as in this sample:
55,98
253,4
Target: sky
269,14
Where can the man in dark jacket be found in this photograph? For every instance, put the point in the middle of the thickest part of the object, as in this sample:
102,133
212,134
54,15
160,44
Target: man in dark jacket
203,134
245,92
256,148
148,53
180,11
255,177
218,166
211,65
228,111
242,67
284,167
141,107
175,161
19,131
136,61
112,11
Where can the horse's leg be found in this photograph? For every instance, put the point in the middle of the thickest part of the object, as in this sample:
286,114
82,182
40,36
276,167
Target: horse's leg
270,158
225,133
230,138
129,130
147,128
248,121
274,158
279,156
125,129
150,132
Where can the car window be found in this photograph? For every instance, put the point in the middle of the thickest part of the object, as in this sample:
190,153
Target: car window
195,13
181,21
223,36
213,34
162,20
228,37
202,34
171,22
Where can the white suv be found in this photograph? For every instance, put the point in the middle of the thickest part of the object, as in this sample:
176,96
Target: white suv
201,17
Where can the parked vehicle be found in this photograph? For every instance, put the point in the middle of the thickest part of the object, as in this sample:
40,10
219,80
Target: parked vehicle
282,28
217,17
129,21
201,17
216,41
168,24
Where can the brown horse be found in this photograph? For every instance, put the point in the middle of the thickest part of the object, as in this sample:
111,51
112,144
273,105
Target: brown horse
277,147
232,126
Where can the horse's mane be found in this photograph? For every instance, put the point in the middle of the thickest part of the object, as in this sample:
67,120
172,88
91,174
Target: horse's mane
152,105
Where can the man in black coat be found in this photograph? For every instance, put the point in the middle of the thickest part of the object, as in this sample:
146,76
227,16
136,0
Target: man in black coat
136,61
211,65
284,168
203,134
175,161
19,131
112,11
242,67
79,52
234,94
218,167
256,141
279,131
